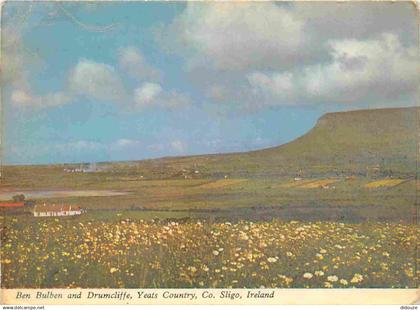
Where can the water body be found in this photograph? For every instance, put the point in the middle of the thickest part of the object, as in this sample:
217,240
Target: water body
60,194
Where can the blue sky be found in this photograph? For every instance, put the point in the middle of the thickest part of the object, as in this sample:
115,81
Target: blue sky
86,82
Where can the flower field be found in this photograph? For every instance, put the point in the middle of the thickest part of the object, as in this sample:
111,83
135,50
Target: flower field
196,253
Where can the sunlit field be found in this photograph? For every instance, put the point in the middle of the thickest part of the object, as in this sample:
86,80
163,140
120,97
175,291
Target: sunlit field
196,253
319,183
385,183
222,183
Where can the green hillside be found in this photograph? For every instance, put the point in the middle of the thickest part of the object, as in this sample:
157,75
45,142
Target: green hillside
381,141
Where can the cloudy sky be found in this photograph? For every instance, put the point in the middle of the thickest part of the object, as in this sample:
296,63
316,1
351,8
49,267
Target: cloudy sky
123,81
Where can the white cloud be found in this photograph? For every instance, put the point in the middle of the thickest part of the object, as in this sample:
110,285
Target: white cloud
377,69
147,94
97,80
178,146
274,36
22,98
101,82
87,78
14,59
122,143
251,53
152,94
16,62
362,20
133,61
279,85
237,35
260,54
382,67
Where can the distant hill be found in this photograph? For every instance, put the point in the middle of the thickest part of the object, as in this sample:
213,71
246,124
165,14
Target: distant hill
379,141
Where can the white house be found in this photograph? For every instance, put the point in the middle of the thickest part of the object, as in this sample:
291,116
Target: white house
56,210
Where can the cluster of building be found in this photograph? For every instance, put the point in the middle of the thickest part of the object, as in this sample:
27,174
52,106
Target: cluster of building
44,210
83,168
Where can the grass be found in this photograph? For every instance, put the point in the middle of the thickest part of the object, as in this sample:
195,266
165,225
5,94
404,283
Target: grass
127,253
294,183
385,183
347,200
319,183
221,183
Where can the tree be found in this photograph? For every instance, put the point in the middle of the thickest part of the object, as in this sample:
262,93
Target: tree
18,198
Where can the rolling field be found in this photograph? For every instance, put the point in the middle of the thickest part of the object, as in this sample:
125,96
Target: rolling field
385,183
130,253
344,199
222,183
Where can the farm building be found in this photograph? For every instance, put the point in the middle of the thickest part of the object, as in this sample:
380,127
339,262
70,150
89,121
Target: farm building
56,210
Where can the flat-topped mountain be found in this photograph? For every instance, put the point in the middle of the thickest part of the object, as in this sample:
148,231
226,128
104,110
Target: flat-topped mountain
381,141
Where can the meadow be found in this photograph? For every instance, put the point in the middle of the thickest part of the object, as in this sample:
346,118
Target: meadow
126,253
343,198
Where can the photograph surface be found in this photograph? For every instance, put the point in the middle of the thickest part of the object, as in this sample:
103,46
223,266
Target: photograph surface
209,145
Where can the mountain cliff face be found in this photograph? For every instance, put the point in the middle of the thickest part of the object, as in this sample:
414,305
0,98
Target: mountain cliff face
383,138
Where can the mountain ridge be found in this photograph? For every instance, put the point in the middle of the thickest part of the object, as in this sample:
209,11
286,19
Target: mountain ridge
349,142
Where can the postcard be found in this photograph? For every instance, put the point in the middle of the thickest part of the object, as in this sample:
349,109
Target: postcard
159,152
